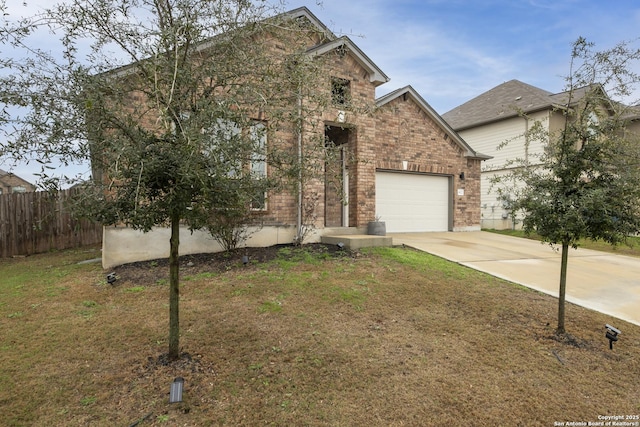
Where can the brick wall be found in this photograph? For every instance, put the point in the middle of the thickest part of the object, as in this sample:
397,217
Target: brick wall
360,148
400,131
361,145
384,138
406,133
9,181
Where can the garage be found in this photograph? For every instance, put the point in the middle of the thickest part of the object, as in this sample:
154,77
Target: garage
412,202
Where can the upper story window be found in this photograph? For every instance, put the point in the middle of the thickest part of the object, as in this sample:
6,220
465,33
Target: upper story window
19,189
340,91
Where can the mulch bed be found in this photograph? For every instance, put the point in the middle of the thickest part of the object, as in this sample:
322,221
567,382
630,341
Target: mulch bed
149,272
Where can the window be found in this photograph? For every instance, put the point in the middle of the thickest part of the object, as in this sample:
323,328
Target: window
259,159
593,121
232,135
223,140
340,91
258,165
18,189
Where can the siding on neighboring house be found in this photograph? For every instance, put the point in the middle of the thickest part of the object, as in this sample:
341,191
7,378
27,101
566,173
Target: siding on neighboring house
506,141
493,118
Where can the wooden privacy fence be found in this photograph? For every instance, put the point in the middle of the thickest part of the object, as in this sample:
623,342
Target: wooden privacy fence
41,221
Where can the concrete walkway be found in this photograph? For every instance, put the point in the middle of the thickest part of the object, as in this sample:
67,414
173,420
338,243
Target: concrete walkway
600,281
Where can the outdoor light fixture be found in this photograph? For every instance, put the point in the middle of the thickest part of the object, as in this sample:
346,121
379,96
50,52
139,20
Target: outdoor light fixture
111,278
612,335
175,394
340,245
461,176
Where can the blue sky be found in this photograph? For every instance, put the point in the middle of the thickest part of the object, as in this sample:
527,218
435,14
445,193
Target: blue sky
453,50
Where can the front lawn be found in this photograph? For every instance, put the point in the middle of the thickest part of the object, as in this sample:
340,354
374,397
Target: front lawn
631,248
391,337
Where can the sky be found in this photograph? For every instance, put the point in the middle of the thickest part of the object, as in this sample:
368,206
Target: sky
451,51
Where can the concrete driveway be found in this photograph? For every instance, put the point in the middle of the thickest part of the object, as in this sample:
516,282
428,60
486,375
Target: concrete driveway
597,280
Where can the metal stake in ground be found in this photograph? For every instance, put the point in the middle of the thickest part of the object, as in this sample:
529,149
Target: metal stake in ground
612,335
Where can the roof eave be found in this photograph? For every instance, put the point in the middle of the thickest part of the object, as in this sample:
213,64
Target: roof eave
304,11
478,156
506,116
410,91
376,75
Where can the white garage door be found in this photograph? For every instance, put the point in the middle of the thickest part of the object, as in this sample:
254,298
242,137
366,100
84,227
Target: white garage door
412,203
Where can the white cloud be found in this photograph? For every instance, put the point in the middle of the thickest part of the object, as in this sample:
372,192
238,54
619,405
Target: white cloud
453,50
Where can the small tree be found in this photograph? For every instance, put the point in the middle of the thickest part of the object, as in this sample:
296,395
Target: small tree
163,97
586,183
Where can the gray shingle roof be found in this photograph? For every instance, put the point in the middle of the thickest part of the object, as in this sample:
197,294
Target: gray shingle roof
562,98
514,97
511,99
505,100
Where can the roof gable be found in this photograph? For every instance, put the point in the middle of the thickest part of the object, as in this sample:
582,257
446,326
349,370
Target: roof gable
306,13
299,13
4,175
376,75
410,92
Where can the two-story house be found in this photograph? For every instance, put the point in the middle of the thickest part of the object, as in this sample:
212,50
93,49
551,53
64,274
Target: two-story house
496,122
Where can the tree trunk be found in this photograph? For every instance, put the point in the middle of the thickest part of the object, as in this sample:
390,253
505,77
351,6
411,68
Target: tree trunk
563,287
174,291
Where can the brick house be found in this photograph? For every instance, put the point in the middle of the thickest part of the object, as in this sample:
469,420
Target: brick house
11,183
413,170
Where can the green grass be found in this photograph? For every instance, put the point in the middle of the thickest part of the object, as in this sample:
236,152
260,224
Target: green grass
416,259
391,337
354,296
289,257
271,306
630,248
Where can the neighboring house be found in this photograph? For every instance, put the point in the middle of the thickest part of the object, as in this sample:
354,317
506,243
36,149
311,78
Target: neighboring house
11,183
413,170
633,121
495,123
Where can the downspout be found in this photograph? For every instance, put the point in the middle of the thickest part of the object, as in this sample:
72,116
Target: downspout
527,142
299,221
